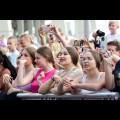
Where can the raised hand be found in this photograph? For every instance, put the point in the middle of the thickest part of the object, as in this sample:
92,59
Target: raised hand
54,30
57,78
7,81
23,61
7,77
41,34
108,56
42,75
86,44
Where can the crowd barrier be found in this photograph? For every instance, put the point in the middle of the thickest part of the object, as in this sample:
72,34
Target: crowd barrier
68,96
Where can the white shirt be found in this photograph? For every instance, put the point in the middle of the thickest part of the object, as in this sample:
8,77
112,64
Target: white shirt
113,37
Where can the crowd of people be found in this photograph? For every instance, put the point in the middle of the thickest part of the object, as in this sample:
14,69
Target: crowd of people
60,65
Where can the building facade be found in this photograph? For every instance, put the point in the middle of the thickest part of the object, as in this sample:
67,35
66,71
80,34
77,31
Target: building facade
18,27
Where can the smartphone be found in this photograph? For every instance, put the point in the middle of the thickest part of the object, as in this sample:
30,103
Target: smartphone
78,43
51,38
45,28
103,44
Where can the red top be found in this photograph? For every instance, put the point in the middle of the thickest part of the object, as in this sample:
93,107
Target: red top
48,75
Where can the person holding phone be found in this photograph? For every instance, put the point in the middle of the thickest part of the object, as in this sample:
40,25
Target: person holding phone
68,58
93,81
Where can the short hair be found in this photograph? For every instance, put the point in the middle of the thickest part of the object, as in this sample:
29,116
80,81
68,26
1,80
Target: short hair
26,37
115,43
14,38
113,21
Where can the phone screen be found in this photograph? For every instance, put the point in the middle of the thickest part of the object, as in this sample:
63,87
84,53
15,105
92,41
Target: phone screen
45,28
103,44
51,38
76,43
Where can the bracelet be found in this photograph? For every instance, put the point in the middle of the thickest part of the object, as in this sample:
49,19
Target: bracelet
52,78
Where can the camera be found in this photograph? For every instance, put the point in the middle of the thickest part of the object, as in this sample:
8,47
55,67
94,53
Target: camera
78,43
100,33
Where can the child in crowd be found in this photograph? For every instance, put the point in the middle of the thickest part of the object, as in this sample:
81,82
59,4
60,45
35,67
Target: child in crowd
113,27
26,41
12,46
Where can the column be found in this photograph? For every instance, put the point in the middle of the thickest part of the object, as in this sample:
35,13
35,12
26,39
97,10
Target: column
20,27
61,24
6,28
79,29
86,28
37,25
30,25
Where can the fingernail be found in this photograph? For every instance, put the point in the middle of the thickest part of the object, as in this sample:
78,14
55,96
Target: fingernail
71,80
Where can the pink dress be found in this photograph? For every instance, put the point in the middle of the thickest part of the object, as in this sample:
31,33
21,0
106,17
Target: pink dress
48,75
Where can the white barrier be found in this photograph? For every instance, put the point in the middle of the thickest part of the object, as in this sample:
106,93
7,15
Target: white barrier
68,96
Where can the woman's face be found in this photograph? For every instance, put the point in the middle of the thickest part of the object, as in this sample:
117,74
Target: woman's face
40,60
64,57
88,61
25,55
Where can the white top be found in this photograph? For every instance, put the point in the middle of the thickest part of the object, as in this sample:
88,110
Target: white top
113,37
34,46
13,57
83,91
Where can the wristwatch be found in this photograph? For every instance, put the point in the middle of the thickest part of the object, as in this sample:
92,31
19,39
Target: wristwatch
52,78
21,91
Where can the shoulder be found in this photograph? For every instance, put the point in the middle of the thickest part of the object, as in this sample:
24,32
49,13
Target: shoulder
78,79
78,71
6,71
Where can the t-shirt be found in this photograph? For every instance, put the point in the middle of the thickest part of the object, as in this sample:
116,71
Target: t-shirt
13,57
34,46
48,75
113,37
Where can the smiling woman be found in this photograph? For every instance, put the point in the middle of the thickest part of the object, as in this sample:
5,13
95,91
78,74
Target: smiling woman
68,58
94,80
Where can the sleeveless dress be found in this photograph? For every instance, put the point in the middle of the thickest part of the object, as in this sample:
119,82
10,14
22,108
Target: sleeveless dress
48,75
83,91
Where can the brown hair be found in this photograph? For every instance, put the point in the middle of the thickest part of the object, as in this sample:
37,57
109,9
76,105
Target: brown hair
46,53
97,58
73,53
31,51
115,43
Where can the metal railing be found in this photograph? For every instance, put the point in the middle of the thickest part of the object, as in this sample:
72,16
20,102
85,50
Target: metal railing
68,96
